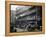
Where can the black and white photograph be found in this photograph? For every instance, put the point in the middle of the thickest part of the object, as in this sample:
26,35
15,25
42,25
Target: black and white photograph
25,18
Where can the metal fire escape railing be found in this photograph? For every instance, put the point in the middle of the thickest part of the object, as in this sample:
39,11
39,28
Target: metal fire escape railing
22,17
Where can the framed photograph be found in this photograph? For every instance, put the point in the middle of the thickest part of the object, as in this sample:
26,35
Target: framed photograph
24,18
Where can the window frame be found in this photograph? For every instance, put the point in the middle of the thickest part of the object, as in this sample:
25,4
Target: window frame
7,17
